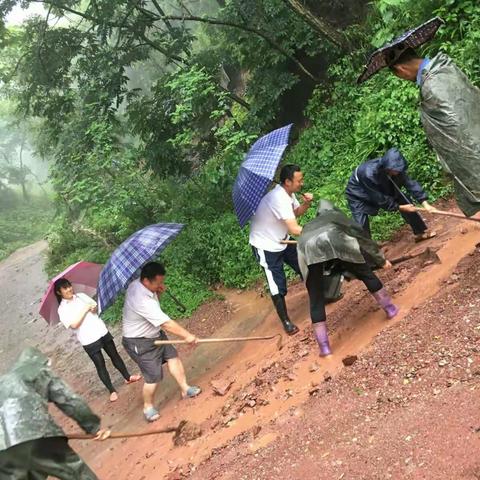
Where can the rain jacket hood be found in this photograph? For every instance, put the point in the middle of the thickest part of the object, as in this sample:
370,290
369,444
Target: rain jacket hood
370,188
24,396
331,235
450,114
393,160
31,360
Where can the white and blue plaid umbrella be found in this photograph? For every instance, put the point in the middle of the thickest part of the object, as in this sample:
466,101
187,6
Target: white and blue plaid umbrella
126,261
257,172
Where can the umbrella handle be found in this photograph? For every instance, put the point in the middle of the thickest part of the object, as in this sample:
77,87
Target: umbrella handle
179,304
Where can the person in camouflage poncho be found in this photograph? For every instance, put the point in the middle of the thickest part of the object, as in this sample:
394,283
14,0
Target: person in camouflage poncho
450,114
32,445
332,242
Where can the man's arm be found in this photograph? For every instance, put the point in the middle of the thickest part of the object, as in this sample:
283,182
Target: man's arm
307,203
150,310
171,326
72,405
293,227
414,188
386,202
412,209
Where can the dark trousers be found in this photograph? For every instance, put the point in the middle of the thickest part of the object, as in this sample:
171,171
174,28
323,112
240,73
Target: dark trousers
414,219
94,351
37,459
272,264
315,285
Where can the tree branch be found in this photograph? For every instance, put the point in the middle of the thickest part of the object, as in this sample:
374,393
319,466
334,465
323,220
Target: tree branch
149,42
170,28
245,28
235,97
320,26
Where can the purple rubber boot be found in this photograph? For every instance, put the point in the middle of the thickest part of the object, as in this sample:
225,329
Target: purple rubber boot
320,331
384,300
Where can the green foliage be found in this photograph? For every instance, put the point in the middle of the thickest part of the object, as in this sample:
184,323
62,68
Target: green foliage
368,120
146,118
22,223
178,122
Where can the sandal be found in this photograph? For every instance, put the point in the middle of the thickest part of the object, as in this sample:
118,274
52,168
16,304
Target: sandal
192,392
133,379
424,236
113,396
151,414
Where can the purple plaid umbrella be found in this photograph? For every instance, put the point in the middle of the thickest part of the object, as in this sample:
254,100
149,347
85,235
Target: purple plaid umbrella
127,260
257,172
385,56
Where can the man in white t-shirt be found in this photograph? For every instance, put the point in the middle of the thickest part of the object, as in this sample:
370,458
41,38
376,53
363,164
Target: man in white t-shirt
274,220
143,323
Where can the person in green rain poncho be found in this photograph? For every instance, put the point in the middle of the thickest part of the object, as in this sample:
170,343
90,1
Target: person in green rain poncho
32,445
450,115
334,244
449,108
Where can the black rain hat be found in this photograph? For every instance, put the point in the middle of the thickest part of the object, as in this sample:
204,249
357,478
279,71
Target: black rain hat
389,53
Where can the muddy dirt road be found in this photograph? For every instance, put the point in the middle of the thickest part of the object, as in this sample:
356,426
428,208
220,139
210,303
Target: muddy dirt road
409,407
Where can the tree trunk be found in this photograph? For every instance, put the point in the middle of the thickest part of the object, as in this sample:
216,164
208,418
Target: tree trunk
319,25
24,192
23,175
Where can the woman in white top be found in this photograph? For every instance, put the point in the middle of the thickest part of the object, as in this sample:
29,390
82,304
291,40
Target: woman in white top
79,312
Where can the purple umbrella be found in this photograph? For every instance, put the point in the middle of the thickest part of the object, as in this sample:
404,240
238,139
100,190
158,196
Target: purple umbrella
127,260
257,172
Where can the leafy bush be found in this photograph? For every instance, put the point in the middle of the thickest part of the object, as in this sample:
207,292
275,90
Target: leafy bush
23,223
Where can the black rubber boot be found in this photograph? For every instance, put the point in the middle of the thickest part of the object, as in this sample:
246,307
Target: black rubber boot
281,307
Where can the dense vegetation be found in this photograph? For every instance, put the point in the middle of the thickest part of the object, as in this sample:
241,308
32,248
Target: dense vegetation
22,223
146,108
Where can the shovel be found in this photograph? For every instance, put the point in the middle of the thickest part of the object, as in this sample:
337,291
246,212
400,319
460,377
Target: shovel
185,431
428,255
158,343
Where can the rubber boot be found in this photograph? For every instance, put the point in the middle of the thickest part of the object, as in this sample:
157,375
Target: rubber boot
384,300
281,307
321,334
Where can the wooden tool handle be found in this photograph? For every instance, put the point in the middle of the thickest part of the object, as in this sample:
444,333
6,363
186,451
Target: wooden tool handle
288,242
448,214
403,258
214,340
86,436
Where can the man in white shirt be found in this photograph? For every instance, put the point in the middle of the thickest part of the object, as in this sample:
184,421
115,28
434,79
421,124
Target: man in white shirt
274,220
143,323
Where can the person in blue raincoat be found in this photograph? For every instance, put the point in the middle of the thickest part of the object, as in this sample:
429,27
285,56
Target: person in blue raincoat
376,184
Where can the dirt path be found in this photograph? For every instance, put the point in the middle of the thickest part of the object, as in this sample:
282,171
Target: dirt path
270,387
387,416
407,409
22,282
